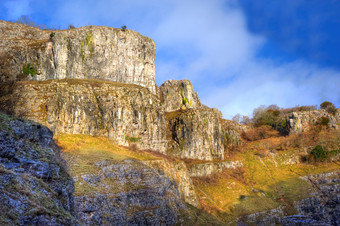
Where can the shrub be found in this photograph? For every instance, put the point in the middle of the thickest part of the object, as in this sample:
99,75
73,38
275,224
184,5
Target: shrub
29,69
323,121
266,115
70,26
319,153
259,133
123,28
52,35
328,106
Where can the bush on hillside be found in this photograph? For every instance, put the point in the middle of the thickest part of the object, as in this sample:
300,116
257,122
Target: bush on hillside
328,106
323,121
258,133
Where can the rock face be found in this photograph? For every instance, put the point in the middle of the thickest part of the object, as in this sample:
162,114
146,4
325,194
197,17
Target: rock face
178,94
125,113
322,208
302,121
196,134
323,205
35,188
206,169
232,132
128,193
87,52
178,172
194,130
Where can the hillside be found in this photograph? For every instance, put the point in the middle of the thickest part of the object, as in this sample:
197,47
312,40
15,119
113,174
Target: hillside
82,116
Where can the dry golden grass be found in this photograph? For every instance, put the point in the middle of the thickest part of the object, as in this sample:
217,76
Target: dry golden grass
99,148
264,183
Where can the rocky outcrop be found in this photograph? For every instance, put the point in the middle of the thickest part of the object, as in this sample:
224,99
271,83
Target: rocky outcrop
35,187
195,134
128,114
88,52
321,208
178,94
127,193
206,169
232,132
303,121
323,205
180,174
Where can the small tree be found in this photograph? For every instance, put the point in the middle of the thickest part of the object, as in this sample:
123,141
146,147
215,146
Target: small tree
123,28
328,106
70,26
237,118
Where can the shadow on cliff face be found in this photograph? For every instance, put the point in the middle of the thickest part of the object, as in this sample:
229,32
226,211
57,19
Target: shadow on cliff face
35,186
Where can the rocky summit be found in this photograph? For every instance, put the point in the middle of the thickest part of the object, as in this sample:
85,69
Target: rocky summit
90,52
87,138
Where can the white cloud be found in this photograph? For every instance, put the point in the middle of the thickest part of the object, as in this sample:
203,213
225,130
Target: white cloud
214,31
288,85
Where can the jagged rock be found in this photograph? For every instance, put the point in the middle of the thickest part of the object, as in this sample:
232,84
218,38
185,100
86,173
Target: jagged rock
321,208
178,172
323,205
206,169
128,193
178,94
88,52
232,132
35,187
125,113
196,134
299,122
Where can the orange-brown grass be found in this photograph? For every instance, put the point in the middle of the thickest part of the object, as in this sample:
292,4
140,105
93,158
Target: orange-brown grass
264,183
258,133
79,144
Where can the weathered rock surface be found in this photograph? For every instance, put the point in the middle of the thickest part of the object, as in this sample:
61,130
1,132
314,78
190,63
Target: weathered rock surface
196,134
206,169
321,208
127,193
324,204
178,94
232,132
180,174
35,188
88,52
125,113
302,121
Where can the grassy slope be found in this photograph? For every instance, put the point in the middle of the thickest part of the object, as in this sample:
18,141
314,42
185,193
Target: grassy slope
82,151
264,183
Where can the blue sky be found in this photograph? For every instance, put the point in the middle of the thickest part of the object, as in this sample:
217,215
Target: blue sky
238,54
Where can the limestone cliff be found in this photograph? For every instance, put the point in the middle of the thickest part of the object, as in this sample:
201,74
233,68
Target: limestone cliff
196,134
35,186
194,130
303,121
178,94
128,114
87,52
